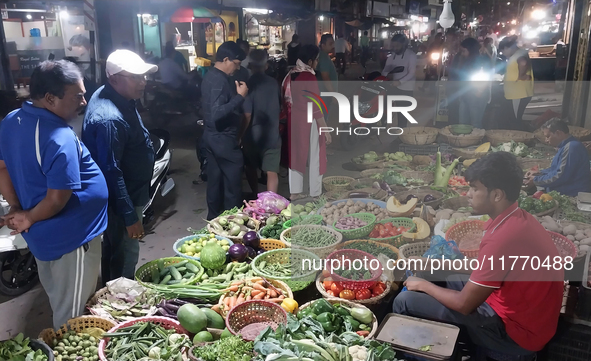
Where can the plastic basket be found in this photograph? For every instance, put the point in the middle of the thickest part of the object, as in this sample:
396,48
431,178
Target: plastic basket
312,219
424,149
396,241
369,218
564,245
167,323
250,318
280,285
466,231
270,244
319,251
347,244
284,237
287,224
144,273
284,256
570,343
330,186
78,324
352,255
349,304
179,243
40,345
417,249
369,301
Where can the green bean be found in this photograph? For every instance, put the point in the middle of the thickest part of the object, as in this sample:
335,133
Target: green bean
312,237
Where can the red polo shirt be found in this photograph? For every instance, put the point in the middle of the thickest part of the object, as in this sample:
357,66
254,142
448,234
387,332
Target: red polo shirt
527,300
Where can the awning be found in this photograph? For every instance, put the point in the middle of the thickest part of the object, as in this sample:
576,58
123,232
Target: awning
193,15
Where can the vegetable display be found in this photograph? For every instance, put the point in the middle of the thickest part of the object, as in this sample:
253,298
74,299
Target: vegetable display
246,290
386,230
350,223
568,207
458,181
170,308
19,349
372,248
145,340
518,149
532,205
311,237
76,346
235,225
193,247
272,231
231,348
369,157
333,211
180,273
579,234
398,156
122,307
335,289
231,271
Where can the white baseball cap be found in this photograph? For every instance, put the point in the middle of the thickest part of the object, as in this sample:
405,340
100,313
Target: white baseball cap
126,60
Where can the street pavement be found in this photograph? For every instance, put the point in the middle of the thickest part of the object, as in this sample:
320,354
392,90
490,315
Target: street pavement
186,206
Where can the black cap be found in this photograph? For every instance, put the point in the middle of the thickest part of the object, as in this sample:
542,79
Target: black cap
230,50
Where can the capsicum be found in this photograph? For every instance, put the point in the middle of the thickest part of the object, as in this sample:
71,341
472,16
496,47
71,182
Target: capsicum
306,312
327,320
354,323
341,311
322,306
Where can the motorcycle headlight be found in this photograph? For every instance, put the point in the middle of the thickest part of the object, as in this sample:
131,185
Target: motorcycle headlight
364,107
435,56
480,76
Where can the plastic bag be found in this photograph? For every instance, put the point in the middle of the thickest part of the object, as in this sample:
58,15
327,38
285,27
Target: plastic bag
440,247
271,202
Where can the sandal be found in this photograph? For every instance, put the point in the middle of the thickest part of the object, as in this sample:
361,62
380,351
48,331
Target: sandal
297,197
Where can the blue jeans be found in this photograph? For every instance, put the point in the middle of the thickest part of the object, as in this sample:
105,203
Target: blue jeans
472,107
120,252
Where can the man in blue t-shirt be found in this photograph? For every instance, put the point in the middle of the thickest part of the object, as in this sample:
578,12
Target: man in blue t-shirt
58,195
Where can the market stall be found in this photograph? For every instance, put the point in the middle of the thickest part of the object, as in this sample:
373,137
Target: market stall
268,30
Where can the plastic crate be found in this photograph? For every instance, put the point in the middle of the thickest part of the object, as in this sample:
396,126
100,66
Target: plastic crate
571,343
424,149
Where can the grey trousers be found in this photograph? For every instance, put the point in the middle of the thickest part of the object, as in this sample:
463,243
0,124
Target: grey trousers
484,327
70,280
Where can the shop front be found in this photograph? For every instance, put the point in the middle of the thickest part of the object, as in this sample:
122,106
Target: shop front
268,30
43,30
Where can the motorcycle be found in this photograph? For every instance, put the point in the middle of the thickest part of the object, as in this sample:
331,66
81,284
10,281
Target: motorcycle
18,269
369,93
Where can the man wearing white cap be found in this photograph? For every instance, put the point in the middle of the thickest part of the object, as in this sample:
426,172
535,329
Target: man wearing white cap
120,144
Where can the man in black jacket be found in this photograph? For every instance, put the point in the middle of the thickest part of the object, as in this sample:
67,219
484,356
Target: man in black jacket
224,120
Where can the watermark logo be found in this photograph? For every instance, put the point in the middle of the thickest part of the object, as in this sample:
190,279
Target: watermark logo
362,112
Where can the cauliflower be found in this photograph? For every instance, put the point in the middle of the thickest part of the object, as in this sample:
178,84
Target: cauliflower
520,149
359,353
506,147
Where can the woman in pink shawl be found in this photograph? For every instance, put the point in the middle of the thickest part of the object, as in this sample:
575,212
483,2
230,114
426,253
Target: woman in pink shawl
305,145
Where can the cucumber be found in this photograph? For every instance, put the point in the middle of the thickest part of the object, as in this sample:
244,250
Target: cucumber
175,282
181,264
188,275
165,271
155,275
166,279
191,267
175,273
182,269
161,265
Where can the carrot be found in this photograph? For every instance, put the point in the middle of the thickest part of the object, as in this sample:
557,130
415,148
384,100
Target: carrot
217,309
227,301
267,297
237,282
256,292
241,298
259,296
233,288
260,282
232,302
248,297
281,297
275,300
272,293
259,287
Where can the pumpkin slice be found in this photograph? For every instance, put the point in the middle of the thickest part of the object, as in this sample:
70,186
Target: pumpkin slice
468,162
423,230
397,209
483,148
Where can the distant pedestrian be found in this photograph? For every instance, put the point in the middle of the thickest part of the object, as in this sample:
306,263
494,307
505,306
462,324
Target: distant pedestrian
519,79
293,49
340,46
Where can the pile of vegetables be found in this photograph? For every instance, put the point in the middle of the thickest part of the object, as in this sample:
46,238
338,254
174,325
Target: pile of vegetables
205,292
568,207
122,307
350,223
458,181
336,289
18,349
369,157
267,204
235,225
391,177
170,308
179,273
372,248
337,318
518,149
193,247
534,206
77,346
302,209
231,272
273,228
386,230
205,230
246,290
333,211
580,234
229,348
304,220
145,340
398,156
196,320
311,237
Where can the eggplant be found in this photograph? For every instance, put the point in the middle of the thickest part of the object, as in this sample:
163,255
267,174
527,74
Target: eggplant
410,196
172,307
429,198
165,312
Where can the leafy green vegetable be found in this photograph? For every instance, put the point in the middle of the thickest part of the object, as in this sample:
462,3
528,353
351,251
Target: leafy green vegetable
425,348
18,349
394,178
231,348
518,149
568,207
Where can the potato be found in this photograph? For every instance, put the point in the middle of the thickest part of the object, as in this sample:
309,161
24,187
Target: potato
569,230
584,247
571,237
588,232
577,243
586,241
580,235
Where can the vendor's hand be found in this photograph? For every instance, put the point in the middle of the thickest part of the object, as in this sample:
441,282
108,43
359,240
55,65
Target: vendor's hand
328,138
241,88
415,284
529,181
529,174
19,221
136,230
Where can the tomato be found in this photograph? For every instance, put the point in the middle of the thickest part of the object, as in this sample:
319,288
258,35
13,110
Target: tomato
363,294
347,294
383,233
363,333
336,287
331,293
326,273
377,290
327,283
374,234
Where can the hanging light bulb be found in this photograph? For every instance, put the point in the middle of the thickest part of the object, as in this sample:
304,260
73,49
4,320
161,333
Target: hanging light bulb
447,18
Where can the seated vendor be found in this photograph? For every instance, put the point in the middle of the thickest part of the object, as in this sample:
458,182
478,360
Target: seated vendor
512,311
569,173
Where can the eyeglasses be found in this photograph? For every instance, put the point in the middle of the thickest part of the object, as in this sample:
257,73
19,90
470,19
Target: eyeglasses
137,78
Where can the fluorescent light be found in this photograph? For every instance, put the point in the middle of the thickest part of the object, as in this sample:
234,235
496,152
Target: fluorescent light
321,18
29,16
257,11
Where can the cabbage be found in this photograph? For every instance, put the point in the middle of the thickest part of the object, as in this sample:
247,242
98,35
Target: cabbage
213,256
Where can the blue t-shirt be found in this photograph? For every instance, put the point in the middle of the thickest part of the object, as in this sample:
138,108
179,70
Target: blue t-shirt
42,151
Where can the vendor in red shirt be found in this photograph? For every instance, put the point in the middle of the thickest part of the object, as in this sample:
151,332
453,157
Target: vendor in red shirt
514,312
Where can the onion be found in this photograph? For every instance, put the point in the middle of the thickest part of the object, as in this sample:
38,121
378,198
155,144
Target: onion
238,252
251,239
251,252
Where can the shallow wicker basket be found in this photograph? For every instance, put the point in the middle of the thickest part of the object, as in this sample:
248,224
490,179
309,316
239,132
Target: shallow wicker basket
421,192
368,173
463,141
419,135
78,324
582,134
269,244
363,166
250,318
330,186
498,137
456,203
349,304
417,249
426,177
465,234
529,163
373,193
369,301
144,274
353,255
288,256
369,218
167,323
276,283
468,153
319,251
